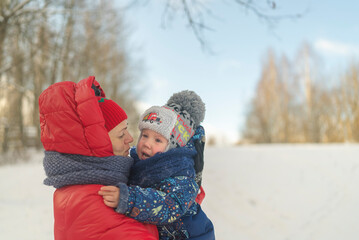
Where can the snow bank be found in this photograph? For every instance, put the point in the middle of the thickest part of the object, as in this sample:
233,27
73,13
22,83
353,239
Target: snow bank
283,192
25,203
278,192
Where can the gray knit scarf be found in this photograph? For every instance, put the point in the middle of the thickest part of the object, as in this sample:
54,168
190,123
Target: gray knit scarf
69,169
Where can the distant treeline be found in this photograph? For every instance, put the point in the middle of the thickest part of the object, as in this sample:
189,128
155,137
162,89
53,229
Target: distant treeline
296,102
46,41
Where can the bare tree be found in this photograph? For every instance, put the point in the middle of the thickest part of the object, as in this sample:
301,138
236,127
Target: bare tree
45,41
308,67
264,112
13,63
332,127
41,50
196,14
14,13
292,103
102,52
350,103
288,106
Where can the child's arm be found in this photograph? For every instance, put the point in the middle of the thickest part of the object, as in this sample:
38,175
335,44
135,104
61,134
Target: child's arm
163,205
160,206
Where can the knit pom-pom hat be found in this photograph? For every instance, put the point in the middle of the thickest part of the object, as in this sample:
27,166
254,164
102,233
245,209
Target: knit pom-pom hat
112,113
190,102
158,119
177,120
190,111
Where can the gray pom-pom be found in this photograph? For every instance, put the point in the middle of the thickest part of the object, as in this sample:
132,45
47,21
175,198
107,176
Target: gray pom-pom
191,102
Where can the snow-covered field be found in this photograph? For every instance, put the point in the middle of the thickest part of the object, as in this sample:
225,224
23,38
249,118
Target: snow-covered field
260,192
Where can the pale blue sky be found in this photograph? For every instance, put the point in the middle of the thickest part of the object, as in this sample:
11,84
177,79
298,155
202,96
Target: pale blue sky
226,80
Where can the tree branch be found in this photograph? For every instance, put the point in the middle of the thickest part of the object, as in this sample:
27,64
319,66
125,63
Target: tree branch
14,10
196,27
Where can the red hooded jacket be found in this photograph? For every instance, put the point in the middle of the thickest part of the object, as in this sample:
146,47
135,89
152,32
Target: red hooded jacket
71,122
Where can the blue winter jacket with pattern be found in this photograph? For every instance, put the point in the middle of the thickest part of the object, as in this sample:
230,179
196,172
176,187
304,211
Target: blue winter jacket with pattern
162,191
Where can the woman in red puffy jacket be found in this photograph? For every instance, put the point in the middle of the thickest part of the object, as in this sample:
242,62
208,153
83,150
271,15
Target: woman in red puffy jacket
86,141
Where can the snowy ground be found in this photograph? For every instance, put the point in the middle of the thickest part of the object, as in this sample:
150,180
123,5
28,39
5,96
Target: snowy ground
267,192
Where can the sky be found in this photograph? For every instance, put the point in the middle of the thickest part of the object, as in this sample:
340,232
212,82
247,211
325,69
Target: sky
226,77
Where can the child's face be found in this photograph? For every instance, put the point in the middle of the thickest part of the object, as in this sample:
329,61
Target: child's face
150,143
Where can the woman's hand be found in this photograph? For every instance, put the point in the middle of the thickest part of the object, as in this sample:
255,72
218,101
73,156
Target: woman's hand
111,195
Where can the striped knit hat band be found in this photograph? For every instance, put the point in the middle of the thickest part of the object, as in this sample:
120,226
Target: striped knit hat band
112,113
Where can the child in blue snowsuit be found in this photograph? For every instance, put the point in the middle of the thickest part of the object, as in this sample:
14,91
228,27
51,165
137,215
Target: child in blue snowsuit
162,186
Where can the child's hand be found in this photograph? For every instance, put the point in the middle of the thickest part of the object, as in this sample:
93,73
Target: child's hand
111,195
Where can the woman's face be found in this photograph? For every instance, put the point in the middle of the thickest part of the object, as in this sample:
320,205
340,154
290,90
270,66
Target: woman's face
120,139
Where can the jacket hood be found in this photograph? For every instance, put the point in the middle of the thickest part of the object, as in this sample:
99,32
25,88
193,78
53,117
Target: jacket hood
71,120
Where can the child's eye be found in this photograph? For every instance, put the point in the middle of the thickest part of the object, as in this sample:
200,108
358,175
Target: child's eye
158,140
121,136
144,135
